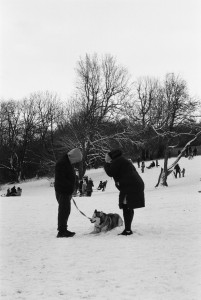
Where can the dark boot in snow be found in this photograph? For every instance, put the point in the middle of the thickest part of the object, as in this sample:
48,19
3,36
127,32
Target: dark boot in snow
65,234
126,232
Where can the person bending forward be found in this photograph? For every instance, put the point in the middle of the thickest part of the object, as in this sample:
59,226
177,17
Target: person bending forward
128,182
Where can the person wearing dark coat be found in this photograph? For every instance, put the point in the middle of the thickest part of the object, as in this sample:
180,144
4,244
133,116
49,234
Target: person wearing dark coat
128,182
65,178
89,188
177,170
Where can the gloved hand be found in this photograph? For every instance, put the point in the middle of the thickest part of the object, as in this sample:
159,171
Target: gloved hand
107,158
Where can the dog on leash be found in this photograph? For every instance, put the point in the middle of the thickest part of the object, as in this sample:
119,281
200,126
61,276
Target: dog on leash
104,222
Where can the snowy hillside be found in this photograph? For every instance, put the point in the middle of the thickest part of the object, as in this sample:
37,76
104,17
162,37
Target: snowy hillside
160,261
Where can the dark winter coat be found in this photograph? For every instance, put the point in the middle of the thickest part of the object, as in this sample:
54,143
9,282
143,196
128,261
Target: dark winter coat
64,176
90,185
177,168
127,180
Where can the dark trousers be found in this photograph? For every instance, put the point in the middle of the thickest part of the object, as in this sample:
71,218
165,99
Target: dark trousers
128,214
89,193
177,172
64,210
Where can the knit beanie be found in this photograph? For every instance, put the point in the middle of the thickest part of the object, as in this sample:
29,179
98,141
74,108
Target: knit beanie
115,153
75,155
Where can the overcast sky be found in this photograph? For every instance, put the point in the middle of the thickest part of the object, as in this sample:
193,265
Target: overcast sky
42,40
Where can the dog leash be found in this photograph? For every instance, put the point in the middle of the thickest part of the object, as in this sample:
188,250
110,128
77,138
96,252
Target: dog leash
80,210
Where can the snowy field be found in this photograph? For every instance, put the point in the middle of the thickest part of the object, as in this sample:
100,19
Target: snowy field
160,261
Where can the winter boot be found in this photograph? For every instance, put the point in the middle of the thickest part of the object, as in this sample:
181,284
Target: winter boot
65,234
126,232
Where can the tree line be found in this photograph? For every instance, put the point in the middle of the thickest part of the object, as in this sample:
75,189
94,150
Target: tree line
144,117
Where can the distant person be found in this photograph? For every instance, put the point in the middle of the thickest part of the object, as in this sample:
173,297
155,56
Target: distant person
157,165
183,172
104,184
138,161
100,185
89,187
177,170
19,191
64,188
84,187
80,187
195,151
8,192
152,165
142,166
13,191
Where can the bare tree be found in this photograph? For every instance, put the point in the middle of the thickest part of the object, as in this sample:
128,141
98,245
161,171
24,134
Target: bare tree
102,87
163,176
11,111
178,109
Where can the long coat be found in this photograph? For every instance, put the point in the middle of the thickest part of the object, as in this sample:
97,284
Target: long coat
127,180
64,176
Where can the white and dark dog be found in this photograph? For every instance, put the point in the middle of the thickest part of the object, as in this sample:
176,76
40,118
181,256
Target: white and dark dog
105,222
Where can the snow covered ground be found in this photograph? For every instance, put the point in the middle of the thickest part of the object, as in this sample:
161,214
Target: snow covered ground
160,261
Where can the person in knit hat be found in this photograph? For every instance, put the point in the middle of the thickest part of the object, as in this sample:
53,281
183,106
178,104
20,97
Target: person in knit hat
128,182
65,179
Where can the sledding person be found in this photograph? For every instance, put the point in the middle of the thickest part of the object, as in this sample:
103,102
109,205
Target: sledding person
100,185
151,165
177,170
13,191
19,191
128,182
64,188
104,184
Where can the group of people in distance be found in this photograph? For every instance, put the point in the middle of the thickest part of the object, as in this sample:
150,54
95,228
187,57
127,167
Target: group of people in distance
14,192
189,152
178,171
152,164
126,179
84,186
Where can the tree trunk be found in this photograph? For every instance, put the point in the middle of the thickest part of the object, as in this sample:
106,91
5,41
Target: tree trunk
164,174
168,170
